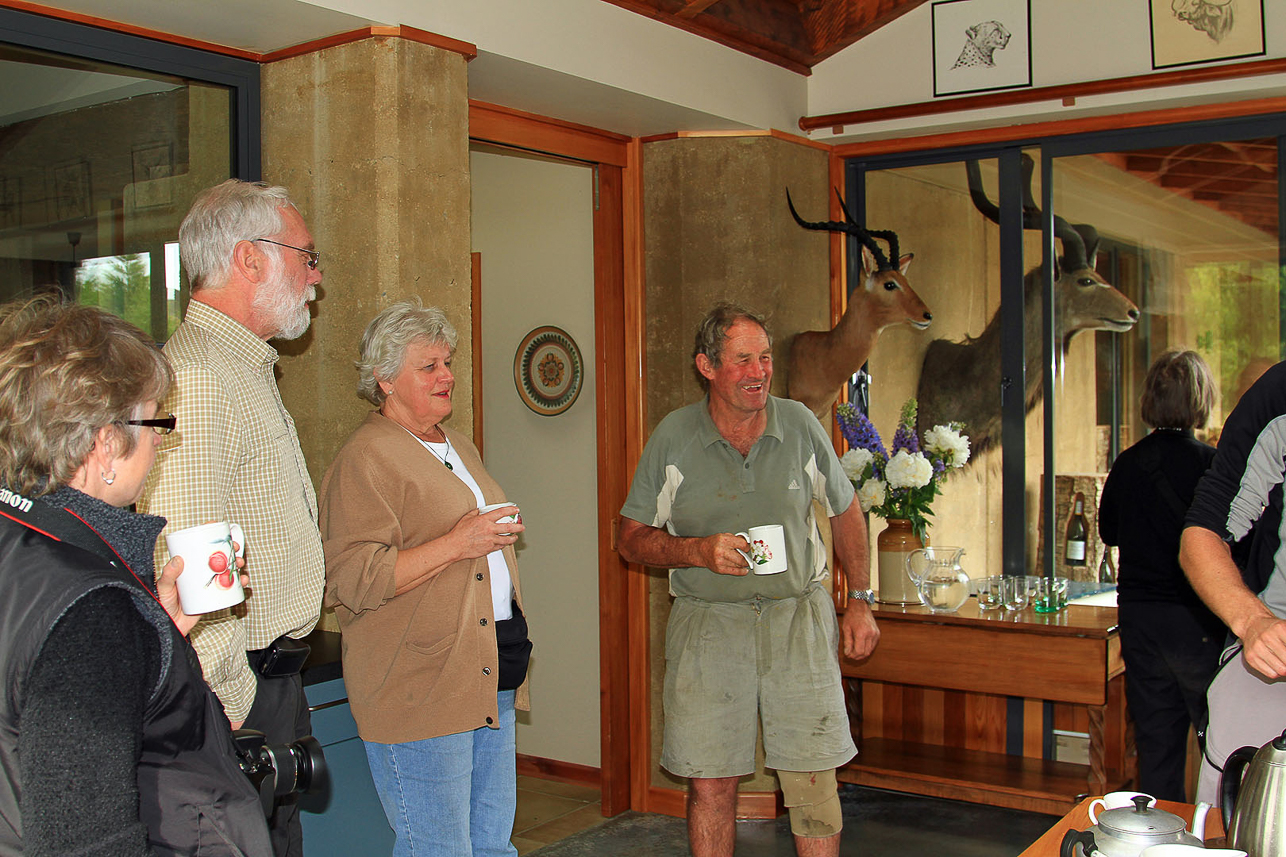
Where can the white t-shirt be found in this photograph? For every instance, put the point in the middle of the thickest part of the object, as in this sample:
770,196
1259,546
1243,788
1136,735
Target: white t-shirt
501,585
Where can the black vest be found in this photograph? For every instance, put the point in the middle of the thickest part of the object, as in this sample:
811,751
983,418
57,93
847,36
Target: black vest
193,797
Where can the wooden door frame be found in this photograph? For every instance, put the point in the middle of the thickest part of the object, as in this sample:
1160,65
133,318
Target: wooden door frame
618,320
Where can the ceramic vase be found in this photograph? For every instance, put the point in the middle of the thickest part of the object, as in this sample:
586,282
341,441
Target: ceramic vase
893,545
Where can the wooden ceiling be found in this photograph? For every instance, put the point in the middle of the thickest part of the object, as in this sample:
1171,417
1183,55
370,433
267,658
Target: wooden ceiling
795,34
1238,178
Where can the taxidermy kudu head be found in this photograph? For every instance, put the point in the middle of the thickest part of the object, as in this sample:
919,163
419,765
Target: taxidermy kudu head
961,380
821,361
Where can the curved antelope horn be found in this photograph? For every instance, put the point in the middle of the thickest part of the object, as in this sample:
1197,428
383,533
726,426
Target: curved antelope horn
850,228
1074,256
892,238
1080,242
978,193
888,235
991,211
1090,236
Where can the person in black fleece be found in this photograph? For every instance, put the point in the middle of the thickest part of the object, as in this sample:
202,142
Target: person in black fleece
1169,639
111,744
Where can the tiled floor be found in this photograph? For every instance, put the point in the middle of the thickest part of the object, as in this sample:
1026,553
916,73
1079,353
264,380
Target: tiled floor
549,811
877,824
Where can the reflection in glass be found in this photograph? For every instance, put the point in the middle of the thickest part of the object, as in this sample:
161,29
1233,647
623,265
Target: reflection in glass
1191,236
1187,237
957,274
97,168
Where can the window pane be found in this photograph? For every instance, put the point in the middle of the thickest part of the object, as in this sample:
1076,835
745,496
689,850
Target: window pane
952,367
1190,235
98,165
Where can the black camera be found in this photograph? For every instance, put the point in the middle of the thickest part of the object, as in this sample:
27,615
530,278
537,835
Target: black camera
278,770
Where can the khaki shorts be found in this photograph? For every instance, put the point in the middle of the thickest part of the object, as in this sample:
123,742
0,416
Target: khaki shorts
727,665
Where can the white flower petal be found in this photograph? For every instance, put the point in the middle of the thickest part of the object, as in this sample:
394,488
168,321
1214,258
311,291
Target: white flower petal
871,494
855,462
907,470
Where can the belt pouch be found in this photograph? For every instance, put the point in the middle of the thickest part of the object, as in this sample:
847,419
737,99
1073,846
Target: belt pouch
513,648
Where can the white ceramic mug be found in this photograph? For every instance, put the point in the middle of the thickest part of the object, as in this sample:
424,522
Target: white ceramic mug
767,549
515,518
210,580
1116,800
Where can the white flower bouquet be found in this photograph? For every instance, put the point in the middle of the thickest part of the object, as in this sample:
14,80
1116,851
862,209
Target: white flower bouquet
902,484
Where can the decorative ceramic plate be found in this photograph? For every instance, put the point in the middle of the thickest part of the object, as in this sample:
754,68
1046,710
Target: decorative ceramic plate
548,371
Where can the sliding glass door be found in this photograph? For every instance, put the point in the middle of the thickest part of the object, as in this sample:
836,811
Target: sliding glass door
1056,272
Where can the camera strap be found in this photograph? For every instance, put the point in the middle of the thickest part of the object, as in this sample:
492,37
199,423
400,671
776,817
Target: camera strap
57,524
64,525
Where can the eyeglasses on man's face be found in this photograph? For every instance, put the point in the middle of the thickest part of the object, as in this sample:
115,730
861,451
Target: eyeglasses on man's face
161,425
313,258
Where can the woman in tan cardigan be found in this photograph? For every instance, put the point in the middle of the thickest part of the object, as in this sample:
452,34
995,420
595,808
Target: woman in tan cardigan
423,584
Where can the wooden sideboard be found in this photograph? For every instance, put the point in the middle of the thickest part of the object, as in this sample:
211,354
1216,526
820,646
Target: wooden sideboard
960,705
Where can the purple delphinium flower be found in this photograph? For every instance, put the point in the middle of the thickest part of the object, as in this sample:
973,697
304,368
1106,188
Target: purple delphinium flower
859,431
904,438
846,416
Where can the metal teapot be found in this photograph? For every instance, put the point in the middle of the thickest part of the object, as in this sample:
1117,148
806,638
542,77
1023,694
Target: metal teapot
939,580
1254,805
1127,830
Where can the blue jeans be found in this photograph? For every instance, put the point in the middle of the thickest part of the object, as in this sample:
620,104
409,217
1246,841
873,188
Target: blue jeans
451,796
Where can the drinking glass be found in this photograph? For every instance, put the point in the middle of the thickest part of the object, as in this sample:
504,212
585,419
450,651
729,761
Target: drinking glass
990,595
1014,590
1051,594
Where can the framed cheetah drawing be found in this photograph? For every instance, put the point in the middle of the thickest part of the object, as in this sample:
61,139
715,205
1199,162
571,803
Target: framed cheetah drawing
981,45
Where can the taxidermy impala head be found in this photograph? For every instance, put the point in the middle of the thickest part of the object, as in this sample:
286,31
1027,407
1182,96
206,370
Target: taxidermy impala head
821,361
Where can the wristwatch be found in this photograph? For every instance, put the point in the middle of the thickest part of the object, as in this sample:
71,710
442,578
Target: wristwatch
867,595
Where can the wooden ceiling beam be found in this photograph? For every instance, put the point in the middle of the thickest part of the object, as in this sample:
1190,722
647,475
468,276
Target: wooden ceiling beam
695,7
711,27
833,25
795,34
767,23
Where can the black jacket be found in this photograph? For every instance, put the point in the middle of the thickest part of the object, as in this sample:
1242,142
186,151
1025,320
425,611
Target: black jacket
192,796
1240,497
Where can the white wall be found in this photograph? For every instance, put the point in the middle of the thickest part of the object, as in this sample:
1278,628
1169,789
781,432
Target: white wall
596,41
1072,41
532,223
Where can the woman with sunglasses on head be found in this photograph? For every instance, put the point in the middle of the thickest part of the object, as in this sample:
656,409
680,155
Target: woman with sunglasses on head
110,741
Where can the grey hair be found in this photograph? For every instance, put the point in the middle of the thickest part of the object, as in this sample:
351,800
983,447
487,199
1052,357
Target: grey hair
712,333
223,216
388,336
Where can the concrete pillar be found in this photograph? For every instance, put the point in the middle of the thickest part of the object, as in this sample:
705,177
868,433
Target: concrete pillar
372,140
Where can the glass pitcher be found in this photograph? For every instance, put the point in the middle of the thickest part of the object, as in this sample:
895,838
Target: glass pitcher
939,580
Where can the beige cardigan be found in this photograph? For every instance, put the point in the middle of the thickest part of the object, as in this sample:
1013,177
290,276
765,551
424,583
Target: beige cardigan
420,664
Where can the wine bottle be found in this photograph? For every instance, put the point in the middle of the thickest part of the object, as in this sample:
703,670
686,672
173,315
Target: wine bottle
1106,574
1076,533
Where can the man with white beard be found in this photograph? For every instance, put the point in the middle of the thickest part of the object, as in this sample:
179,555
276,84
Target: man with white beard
253,269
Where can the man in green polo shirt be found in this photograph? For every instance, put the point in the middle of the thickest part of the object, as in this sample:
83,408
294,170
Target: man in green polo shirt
744,649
